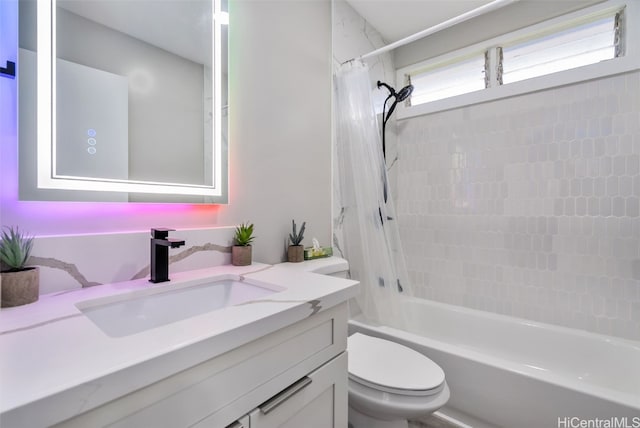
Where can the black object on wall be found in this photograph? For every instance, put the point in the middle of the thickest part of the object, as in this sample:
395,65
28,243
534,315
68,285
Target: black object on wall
9,70
399,96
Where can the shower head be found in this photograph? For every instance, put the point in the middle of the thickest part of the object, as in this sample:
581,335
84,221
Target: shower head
400,96
404,93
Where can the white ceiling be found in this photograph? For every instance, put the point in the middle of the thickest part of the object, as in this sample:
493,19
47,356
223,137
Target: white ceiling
396,19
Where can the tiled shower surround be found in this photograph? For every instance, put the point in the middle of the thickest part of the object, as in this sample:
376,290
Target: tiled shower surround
529,206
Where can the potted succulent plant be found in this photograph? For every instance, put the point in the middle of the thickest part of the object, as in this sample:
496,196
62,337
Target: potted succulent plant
241,251
295,252
20,284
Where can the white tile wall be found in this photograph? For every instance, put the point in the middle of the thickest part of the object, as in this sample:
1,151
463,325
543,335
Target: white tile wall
529,206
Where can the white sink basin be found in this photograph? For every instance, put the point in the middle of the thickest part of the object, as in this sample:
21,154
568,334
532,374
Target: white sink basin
158,305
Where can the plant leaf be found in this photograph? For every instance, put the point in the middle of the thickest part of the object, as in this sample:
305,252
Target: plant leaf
15,248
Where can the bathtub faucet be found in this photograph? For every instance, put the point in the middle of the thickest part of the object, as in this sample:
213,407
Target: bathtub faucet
160,244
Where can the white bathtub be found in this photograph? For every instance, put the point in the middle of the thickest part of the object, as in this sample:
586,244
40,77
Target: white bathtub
513,373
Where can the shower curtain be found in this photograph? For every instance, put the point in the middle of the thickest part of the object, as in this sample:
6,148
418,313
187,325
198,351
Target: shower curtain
371,237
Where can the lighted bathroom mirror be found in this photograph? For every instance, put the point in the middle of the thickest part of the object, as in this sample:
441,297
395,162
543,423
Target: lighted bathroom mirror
131,100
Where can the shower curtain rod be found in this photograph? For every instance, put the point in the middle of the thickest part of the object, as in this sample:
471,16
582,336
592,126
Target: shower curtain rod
489,7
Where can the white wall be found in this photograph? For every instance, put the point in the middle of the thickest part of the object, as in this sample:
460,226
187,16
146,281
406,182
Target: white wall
280,139
280,111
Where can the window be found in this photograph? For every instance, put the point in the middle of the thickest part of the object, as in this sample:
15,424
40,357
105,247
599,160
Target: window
581,45
444,81
587,44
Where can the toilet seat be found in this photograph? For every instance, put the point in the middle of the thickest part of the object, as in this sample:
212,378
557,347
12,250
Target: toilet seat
390,367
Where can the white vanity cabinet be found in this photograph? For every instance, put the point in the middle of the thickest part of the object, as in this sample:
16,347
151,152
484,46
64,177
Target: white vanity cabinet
293,377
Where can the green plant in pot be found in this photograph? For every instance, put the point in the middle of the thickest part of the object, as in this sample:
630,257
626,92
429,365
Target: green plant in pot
241,251
295,252
19,284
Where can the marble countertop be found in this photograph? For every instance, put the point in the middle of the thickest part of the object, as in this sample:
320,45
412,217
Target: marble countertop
55,363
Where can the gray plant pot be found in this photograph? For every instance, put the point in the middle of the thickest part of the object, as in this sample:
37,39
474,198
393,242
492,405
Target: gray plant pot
241,256
20,288
295,253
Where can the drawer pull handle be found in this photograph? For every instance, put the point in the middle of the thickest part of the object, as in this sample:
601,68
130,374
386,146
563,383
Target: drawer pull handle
283,396
236,424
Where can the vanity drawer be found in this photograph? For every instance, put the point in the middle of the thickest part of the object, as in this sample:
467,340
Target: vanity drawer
318,400
232,383
322,403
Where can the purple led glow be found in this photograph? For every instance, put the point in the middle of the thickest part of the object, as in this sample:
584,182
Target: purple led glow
53,218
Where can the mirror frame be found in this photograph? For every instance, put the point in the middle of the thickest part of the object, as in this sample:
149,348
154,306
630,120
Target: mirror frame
47,178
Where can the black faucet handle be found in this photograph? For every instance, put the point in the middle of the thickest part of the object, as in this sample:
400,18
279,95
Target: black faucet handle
160,232
175,243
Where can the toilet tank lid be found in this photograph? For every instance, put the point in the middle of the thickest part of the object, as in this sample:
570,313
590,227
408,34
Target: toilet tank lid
391,365
325,266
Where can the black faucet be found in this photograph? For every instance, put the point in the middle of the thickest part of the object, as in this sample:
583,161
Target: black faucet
160,244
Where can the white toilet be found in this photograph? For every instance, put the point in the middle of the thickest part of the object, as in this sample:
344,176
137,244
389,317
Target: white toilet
388,383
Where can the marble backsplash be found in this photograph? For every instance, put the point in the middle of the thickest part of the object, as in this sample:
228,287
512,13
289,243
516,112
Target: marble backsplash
75,261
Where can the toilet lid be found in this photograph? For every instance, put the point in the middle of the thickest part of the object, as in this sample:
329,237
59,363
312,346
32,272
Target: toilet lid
391,367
